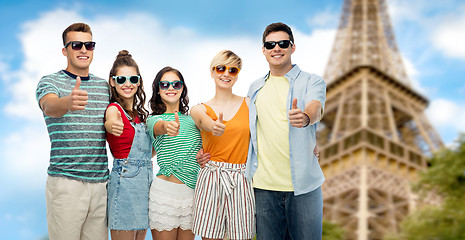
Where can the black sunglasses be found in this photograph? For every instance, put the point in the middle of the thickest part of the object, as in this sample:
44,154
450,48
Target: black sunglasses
282,44
77,45
122,79
164,85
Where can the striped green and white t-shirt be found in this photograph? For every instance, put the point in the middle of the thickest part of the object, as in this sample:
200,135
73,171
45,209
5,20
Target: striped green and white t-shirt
176,155
78,149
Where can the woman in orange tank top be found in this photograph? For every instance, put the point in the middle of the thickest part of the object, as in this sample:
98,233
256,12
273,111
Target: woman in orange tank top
224,202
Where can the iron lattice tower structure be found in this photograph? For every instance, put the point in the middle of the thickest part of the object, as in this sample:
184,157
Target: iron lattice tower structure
374,137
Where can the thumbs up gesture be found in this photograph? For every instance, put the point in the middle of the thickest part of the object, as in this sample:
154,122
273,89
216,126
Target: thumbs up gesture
172,127
218,126
77,98
296,116
117,125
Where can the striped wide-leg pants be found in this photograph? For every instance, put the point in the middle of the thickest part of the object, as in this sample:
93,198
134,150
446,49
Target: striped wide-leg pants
224,202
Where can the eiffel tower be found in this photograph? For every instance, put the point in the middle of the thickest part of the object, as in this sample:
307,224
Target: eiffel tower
374,138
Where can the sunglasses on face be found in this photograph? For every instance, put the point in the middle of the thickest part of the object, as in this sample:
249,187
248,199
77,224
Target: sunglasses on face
282,44
164,85
77,45
122,79
221,69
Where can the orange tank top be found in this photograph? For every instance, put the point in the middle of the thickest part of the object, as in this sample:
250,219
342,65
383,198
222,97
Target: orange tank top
232,146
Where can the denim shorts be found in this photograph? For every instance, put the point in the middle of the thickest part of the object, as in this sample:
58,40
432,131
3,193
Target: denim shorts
128,194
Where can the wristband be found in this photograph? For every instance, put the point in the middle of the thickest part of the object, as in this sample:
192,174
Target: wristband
308,119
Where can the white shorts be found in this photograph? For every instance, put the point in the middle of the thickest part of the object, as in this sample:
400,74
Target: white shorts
224,203
170,205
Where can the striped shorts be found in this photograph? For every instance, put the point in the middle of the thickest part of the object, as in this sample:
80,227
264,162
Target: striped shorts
224,202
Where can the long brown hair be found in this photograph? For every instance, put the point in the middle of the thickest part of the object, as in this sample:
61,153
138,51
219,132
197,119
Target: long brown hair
156,104
138,109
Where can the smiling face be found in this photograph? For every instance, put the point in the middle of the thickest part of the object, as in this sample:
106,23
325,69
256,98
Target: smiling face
170,96
278,59
127,90
78,60
224,80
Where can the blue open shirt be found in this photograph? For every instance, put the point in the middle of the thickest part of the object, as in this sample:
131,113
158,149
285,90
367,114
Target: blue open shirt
305,169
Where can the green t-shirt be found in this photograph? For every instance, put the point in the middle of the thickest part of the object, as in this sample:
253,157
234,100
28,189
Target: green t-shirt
176,155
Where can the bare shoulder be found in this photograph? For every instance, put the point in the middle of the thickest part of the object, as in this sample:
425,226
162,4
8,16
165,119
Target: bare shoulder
112,108
111,111
198,114
196,109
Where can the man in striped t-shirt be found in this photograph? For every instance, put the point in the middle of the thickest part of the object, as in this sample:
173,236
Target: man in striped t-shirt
73,103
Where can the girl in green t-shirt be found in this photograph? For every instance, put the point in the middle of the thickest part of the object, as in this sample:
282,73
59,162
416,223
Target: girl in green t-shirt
176,141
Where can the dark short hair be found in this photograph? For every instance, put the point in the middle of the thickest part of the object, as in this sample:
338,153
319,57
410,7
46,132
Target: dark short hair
277,27
76,27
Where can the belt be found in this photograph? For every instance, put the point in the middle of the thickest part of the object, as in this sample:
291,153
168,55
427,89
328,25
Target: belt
225,175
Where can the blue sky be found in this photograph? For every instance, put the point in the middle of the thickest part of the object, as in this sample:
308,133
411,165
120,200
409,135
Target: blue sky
186,35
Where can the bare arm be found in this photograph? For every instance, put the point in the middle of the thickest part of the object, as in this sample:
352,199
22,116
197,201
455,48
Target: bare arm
314,110
54,106
202,158
297,117
205,123
167,127
153,153
316,151
113,121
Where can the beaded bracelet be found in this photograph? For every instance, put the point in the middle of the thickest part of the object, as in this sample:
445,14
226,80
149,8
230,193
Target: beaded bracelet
308,119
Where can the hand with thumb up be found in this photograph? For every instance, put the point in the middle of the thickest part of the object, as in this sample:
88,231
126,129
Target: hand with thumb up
117,125
218,126
296,117
172,127
77,98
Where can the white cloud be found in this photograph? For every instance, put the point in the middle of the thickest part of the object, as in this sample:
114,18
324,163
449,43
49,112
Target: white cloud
324,19
444,113
418,11
400,10
312,51
27,152
440,23
448,36
152,44
41,45
413,74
